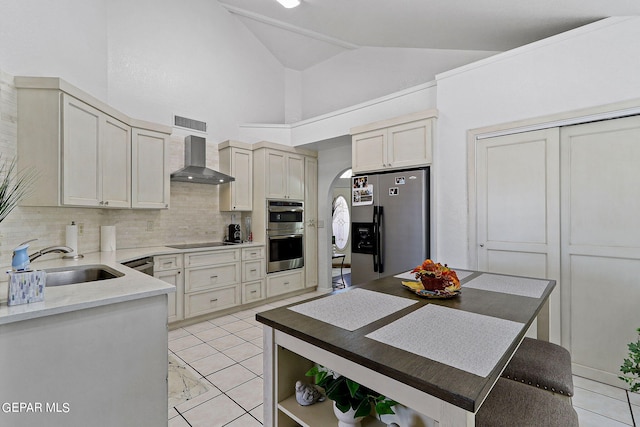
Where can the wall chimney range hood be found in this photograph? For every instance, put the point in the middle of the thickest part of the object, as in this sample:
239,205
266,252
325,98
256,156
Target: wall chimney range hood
195,170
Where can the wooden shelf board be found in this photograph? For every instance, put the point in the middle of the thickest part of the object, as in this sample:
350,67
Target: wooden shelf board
317,415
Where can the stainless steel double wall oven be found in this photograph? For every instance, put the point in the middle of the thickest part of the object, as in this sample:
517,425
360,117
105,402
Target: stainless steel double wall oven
285,235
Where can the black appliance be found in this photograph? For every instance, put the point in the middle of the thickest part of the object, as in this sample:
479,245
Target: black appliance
235,235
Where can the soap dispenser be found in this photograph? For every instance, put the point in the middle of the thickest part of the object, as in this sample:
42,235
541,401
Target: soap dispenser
20,259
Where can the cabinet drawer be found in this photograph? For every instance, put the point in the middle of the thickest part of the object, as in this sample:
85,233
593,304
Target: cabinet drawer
253,291
284,283
209,301
253,270
197,279
167,262
195,259
253,253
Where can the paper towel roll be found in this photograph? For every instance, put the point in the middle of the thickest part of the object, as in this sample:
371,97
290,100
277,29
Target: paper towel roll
108,238
72,239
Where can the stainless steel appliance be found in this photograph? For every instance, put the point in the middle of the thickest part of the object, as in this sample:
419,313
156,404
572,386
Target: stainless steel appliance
143,265
285,235
390,223
195,168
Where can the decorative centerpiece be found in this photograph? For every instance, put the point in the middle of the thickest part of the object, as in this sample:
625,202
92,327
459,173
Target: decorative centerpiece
436,277
435,281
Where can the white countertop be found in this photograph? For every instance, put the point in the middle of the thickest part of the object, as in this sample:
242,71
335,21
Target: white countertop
60,299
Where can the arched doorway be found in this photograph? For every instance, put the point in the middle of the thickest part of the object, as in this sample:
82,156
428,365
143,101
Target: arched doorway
341,230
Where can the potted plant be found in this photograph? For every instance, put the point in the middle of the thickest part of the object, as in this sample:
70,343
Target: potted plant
631,366
14,186
348,395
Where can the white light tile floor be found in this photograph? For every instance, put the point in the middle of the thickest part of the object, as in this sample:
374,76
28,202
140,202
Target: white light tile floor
226,353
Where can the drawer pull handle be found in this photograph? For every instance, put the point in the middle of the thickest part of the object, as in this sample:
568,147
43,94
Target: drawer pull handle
213,300
254,254
253,270
253,291
213,277
285,283
167,264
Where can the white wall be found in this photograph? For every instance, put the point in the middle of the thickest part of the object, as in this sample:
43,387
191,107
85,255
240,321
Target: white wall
149,59
366,73
66,38
591,66
192,58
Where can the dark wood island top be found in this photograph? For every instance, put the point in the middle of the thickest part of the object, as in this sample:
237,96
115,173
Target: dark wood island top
450,384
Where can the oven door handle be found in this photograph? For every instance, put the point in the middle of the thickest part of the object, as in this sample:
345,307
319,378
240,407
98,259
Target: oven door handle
282,209
284,236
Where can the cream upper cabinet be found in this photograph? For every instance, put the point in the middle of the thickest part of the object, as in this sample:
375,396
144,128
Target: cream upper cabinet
82,148
96,154
236,159
284,175
150,169
397,143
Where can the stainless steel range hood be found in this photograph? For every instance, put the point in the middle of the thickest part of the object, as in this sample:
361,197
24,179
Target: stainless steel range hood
195,170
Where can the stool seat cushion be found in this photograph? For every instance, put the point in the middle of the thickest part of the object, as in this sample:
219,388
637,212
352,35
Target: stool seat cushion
541,364
511,404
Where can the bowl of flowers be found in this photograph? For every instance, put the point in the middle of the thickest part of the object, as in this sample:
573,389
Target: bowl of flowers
436,277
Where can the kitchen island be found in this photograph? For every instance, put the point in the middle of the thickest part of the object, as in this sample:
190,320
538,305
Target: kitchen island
438,357
91,353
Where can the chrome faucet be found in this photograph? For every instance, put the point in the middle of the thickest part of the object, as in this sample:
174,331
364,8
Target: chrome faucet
50,249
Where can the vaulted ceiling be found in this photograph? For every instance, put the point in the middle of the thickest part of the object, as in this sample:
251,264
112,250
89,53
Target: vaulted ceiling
319,29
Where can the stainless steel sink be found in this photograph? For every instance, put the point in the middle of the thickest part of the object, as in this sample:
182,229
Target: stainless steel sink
84,273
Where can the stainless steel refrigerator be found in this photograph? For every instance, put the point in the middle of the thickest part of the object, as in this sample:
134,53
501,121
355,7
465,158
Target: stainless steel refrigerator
390,223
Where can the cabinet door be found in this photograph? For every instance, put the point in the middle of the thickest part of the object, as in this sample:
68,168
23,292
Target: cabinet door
276,175
150,169
311,218
81,182
368,151
410,144
242,187
176,299
115,151
295,177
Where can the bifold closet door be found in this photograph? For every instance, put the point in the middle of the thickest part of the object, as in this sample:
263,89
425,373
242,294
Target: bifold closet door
600,250
517,189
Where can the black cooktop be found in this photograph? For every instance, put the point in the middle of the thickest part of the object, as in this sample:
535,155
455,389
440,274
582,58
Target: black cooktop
200,245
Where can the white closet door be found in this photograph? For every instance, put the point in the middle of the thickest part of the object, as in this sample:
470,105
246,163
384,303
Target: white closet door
518,211
600,244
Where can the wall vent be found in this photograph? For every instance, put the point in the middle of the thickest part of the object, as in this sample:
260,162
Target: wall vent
187,123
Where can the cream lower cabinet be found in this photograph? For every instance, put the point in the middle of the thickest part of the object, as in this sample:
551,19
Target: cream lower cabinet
168,268
253,273
398,143
284,282
212,281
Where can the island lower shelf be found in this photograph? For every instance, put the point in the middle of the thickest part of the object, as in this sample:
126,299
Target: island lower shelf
319,414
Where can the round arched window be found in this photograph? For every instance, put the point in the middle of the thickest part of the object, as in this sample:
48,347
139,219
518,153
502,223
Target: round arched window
341,222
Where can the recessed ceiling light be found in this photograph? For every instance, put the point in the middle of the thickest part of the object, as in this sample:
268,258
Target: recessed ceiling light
289,3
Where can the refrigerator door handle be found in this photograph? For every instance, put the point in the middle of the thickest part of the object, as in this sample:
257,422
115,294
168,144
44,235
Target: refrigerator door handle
380,241
375,236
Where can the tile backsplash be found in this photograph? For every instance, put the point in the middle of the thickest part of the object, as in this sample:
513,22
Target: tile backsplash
194,215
